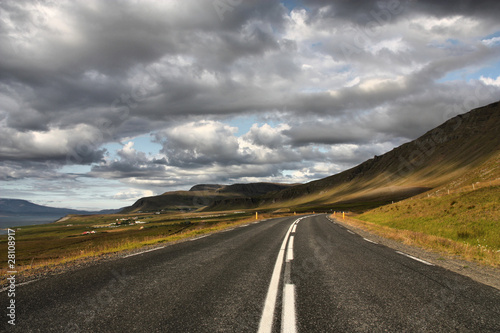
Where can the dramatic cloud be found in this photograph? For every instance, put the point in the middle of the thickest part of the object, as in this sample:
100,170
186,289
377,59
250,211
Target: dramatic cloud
199,143
66,145
267,136
170,94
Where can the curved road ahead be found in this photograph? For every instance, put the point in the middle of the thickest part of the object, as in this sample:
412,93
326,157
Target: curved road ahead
294,274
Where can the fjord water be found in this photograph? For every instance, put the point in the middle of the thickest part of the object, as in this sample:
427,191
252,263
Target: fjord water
18,220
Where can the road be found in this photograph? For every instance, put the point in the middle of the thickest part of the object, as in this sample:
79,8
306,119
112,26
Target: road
307,275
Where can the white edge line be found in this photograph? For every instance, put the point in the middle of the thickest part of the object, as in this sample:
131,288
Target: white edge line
18,285
267,318
415,258
349,231
368,240
193,239
288,320
150,250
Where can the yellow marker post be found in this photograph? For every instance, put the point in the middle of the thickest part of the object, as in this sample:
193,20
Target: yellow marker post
343,215
256,215
294,213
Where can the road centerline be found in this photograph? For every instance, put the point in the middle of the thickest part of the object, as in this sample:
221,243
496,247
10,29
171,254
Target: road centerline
289,252
288,320
267,318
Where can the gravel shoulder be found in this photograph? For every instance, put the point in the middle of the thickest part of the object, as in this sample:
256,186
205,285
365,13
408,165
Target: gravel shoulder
480,273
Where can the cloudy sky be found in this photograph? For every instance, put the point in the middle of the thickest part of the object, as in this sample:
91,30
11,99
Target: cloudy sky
102,102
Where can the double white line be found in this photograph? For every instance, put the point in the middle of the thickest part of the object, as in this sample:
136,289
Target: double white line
288,320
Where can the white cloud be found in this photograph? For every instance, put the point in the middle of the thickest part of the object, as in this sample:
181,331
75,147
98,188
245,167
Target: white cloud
201,142
489,81
267,136
133,194
492,41
394,45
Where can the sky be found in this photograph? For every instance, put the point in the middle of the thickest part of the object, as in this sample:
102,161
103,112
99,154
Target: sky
104,102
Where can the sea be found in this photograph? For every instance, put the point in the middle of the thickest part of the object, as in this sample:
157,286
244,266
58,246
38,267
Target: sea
16,221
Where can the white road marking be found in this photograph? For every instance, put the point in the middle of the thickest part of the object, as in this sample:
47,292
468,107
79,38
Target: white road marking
289,251
294,227
415,258
349,231
151,250
368,240
193,239
266,320
18,285
288,320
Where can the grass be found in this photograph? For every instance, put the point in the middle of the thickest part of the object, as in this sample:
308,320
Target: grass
49,246
465,223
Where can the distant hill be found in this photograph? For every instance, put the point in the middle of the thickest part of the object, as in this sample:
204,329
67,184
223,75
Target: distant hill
24,207
206,187
203,195
444,154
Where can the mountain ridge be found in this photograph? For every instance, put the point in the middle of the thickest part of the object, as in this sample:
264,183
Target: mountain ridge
202,195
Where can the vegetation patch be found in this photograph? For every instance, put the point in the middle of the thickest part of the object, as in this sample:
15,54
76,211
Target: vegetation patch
465,223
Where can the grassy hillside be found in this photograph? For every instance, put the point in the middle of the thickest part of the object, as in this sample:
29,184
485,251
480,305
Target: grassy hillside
465,211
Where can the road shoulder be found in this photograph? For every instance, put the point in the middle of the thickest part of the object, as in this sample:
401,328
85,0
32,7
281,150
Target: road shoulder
484,274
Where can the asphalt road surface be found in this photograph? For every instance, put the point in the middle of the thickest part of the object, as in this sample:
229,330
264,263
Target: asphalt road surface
295,274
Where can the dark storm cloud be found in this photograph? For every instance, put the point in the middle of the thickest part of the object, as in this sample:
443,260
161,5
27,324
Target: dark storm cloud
347,78
87,63
483,8
362,11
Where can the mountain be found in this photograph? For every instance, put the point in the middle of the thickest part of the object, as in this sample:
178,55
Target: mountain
459,146
253,189
203,195
24,207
